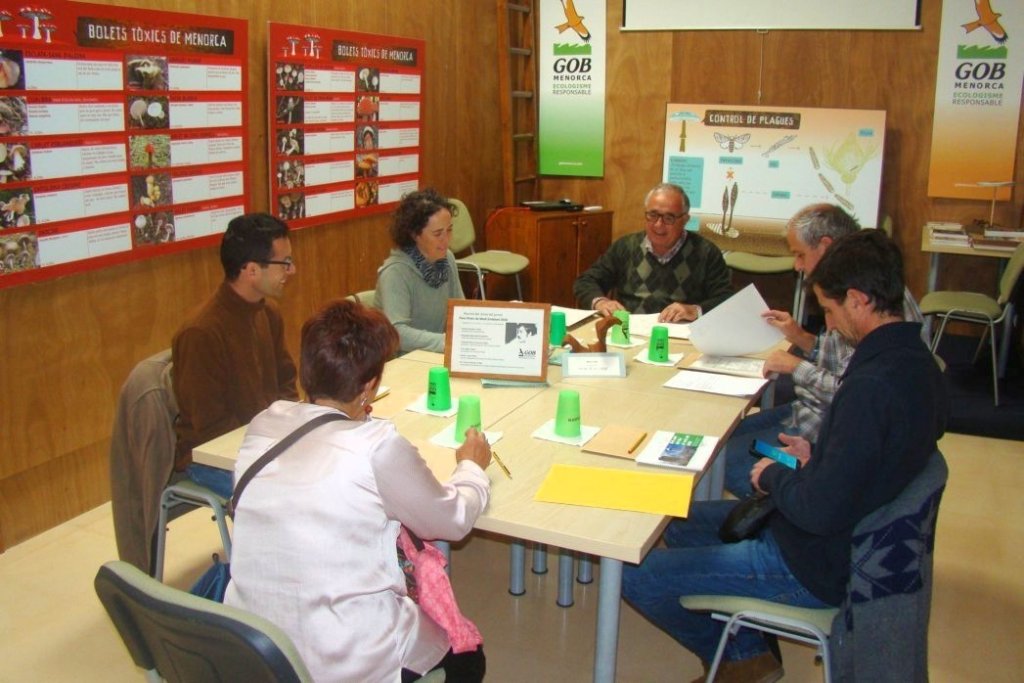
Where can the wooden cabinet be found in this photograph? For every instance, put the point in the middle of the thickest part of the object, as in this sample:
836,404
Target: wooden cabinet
559,244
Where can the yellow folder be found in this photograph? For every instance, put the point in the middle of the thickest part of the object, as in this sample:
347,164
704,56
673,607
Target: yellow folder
661,494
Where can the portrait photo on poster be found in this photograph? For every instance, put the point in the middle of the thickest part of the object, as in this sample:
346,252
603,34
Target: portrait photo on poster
497,339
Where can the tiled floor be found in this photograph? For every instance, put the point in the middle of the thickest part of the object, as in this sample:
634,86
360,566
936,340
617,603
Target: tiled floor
53,628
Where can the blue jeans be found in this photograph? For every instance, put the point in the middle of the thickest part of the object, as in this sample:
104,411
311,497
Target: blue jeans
696,562
764,425
217,480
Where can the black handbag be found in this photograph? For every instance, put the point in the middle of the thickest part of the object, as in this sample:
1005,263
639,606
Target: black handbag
747,518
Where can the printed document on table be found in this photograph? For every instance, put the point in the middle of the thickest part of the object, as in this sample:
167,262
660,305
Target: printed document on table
712,383
573,316
641,324
735,327
739,366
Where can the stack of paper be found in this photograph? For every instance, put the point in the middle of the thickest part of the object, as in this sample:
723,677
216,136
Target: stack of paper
713,383
978,234
740,366
573,316
999,232
952,234
641,324
994,243
735,327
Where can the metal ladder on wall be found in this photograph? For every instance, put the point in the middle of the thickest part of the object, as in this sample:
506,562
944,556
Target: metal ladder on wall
517,83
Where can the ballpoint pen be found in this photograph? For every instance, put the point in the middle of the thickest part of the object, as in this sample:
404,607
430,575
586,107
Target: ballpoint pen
638,442
494,454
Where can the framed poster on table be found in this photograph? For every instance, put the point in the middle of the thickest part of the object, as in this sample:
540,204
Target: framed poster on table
345,122
122,135
497,339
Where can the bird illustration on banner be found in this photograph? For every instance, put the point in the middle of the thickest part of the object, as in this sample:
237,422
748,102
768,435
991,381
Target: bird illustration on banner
988,20
573,21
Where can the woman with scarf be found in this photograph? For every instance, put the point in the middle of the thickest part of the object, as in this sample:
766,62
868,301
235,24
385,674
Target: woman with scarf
420,275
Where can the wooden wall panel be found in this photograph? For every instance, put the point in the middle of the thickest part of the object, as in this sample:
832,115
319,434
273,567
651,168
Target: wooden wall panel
68,344
891,70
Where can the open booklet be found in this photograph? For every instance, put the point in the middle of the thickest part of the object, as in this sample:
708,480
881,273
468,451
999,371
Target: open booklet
679,451
740,366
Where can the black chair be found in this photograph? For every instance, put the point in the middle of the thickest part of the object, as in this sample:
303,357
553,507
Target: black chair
180,637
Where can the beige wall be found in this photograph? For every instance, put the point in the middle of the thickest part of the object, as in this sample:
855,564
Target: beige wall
68,344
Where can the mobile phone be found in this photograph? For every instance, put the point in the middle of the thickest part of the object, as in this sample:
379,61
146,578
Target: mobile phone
761,449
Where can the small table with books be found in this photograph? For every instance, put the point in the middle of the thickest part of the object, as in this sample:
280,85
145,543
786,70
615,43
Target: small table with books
939,238
976,240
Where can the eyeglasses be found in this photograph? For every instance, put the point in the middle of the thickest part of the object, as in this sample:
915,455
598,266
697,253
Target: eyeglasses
666,218
288,263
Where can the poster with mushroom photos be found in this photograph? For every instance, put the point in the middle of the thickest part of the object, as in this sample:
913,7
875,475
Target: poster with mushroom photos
345,117
123,135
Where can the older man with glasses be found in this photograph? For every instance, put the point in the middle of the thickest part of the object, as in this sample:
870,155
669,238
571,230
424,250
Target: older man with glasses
230,359
664,269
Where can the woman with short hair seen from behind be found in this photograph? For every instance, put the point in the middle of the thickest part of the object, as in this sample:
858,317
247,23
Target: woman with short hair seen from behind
315,531
419,277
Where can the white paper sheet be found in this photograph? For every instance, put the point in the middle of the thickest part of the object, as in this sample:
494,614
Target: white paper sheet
641,324
420,406
573,316
547,432
673,358
730,365
446,437
712,383
735,327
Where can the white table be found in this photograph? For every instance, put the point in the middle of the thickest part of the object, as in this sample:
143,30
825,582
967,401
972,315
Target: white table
614,536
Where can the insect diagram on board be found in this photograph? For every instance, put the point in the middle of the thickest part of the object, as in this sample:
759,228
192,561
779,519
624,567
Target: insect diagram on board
732,143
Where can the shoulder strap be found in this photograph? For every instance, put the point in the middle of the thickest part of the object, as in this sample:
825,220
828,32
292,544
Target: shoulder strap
277,449
416,541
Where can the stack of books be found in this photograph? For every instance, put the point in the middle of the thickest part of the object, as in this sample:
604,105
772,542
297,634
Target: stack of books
951,234
999,232
984,235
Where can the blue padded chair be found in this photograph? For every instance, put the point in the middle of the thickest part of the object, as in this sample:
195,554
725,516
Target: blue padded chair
179,637
880,632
